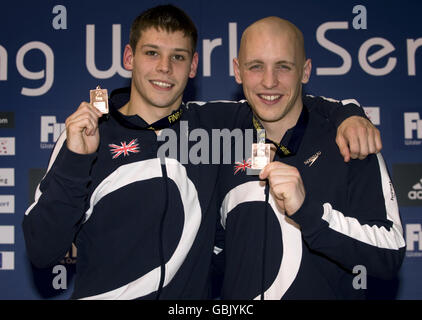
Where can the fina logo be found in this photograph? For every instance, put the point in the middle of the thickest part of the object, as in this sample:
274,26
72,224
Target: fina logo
412,129
414,240
50,131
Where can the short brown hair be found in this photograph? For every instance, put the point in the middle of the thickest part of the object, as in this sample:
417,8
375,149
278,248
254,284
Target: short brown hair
164,17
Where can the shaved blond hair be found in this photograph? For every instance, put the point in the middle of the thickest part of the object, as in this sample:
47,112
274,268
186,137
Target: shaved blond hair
275,26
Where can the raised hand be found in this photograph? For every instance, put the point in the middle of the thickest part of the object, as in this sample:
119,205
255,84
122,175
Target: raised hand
82,129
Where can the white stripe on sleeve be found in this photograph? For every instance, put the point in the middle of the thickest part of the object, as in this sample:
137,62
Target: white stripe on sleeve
372,235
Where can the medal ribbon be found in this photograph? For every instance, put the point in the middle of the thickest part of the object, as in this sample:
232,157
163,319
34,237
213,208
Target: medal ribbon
162,123
295,139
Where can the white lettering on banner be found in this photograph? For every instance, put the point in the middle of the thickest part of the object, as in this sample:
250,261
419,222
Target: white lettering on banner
387,48
7,177
412,45
47,73
232,45
366,57
49,126
3,63
364,60
331,46
413,235
7,204
209,45
60,20
412,123
116,66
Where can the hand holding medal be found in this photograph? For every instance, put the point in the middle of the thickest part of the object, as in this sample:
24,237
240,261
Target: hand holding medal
286,186
82,134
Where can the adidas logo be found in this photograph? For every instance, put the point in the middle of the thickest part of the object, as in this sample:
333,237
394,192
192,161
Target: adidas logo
416,193
418,186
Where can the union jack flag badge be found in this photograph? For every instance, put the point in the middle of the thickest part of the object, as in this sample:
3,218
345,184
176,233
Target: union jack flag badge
242,166
123,148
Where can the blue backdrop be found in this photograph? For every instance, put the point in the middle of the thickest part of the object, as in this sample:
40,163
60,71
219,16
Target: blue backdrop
53,52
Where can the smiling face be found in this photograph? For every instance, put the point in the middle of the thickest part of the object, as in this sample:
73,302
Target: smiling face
272,67
161,66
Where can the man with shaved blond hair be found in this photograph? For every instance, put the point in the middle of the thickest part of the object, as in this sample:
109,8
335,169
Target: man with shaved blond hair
303,226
